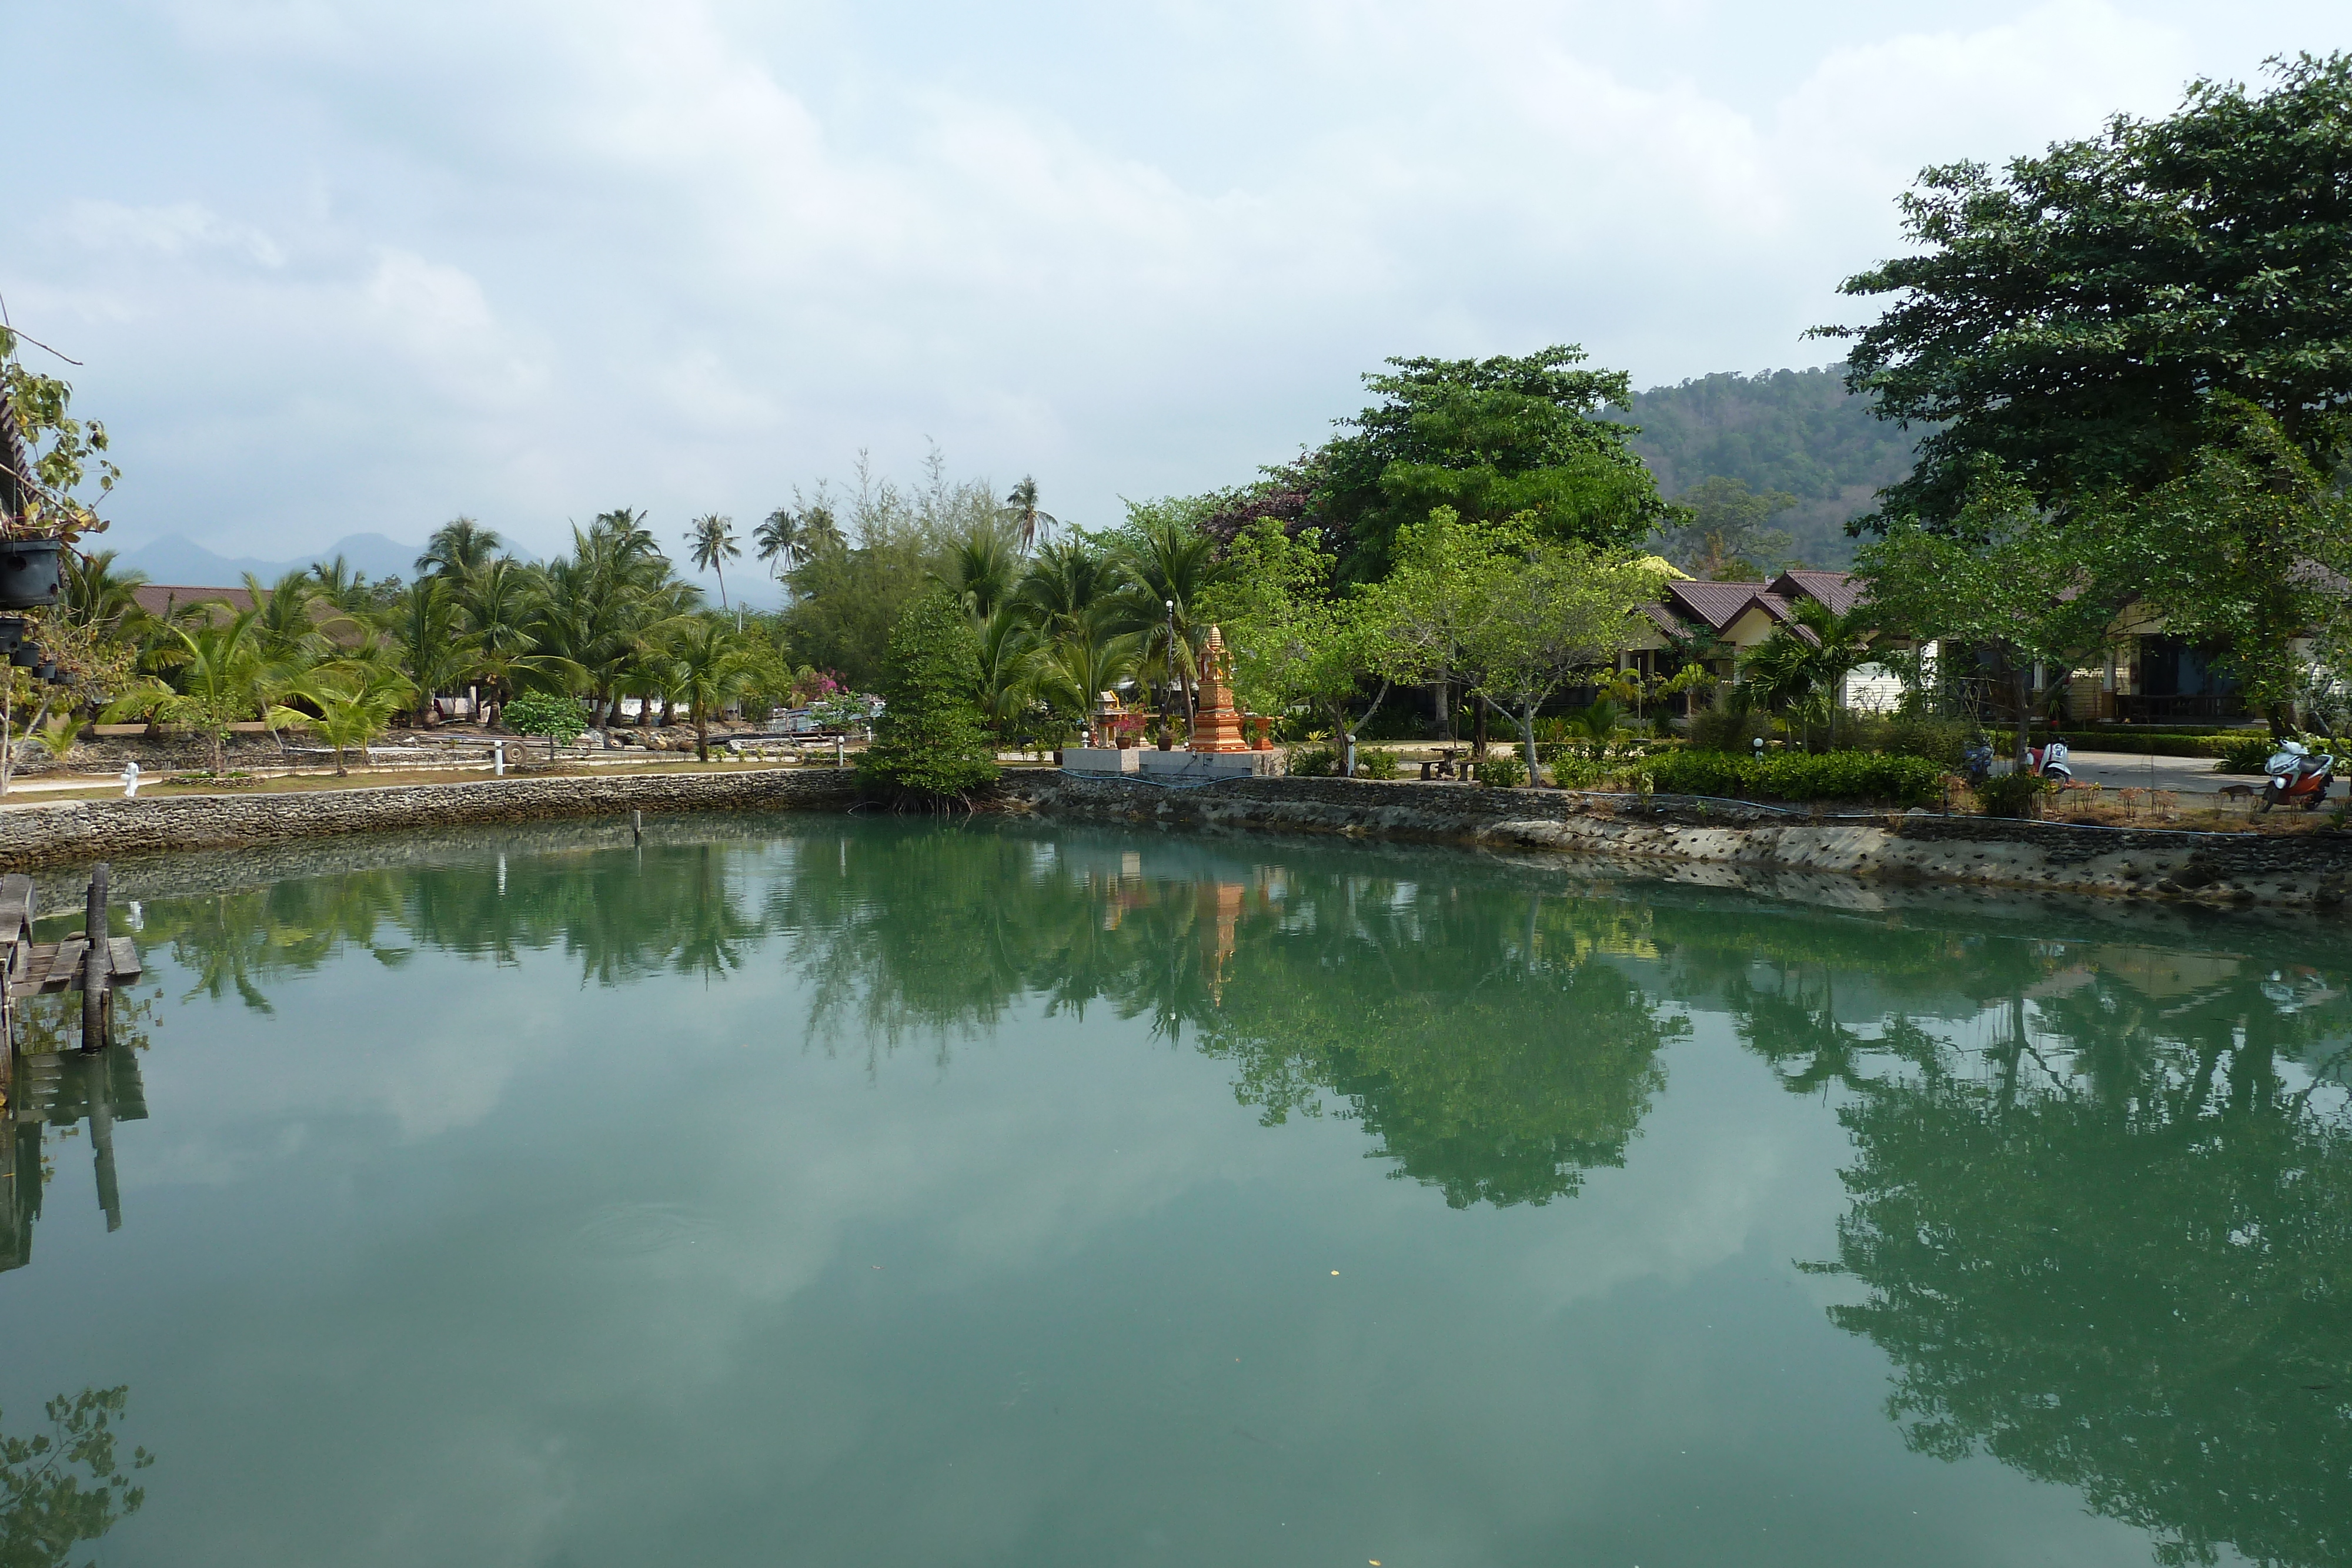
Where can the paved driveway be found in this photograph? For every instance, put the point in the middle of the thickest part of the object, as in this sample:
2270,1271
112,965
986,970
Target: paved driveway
2122,770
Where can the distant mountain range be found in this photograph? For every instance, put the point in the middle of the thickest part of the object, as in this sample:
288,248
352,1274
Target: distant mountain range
179,560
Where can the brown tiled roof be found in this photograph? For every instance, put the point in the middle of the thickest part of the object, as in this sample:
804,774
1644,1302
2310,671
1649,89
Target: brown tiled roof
1716,603
163,597
1837,589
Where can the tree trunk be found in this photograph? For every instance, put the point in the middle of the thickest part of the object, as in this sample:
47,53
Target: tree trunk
1527,735
2019,677
701,734
1478,735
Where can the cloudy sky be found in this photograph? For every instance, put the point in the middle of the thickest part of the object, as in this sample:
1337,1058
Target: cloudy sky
362,267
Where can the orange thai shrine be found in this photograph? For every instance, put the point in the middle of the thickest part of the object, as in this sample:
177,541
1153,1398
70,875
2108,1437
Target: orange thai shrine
1217,726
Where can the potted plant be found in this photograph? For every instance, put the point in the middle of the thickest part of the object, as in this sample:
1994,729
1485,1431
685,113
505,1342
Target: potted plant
44,455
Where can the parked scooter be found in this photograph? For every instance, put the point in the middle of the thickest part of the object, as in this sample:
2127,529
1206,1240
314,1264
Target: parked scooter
2297,775
2049,761
1976,761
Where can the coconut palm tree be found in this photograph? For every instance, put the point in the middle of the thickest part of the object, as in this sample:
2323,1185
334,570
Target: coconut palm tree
356,700
1803,665
458,548
283,619
217,676
1011,664
435,650
710,665
1068,585
100,597
710,543
981,571
781,540
1085,660
1169,566
1020,505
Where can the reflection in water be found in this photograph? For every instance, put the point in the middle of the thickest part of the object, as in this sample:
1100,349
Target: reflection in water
62,1091
2101,1191
62,1487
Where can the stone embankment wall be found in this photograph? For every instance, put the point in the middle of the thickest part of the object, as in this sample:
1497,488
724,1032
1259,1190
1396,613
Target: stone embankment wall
65,831
2302,872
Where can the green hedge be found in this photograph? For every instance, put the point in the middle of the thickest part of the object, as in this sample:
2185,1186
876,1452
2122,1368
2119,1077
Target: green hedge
1796,776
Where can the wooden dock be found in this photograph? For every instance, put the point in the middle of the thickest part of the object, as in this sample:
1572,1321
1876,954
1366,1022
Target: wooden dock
44,1088
36,968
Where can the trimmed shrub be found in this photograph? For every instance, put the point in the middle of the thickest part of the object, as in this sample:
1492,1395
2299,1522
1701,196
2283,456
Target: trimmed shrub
2014,794
2247,755
543,713
1313,762
1795,776
1371,763
1503,769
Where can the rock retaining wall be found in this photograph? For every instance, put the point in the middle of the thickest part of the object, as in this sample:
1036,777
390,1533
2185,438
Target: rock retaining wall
2302,872
65,831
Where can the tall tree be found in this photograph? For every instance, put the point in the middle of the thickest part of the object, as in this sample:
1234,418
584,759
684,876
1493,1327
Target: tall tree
458,549
931,745
1021,506
1729,537
2067,317
1297,641
1559,610
2006,577
711,545
1490,439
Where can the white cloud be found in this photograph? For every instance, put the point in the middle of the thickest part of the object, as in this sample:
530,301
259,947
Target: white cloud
383,264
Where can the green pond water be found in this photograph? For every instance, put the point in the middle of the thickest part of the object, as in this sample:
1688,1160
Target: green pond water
838,1192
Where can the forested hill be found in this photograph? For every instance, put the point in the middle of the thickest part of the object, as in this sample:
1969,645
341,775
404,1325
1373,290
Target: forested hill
1796,431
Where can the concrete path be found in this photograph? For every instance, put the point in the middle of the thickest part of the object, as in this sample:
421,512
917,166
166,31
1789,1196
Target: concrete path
2122,770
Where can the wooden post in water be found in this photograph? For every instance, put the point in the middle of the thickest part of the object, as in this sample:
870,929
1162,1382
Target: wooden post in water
96,963
638,827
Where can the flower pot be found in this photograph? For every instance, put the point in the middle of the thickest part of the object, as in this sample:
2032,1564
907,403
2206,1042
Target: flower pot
25,656
29,573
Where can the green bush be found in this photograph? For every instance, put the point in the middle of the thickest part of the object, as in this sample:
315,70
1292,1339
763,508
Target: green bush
1503,769
1313,762
1796,776
544,712
931,744
1938,740
2247,755
1372,763
2014,794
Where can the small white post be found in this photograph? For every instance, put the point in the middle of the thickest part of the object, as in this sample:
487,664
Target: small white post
499,759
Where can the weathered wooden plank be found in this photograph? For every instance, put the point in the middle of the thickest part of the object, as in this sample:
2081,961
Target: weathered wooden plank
125,954
64,964
17,898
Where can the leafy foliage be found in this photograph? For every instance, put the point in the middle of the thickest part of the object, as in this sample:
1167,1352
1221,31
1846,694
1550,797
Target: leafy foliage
547,714
1798,433
2066,319
931,744
1490,439
1797,776
45,1508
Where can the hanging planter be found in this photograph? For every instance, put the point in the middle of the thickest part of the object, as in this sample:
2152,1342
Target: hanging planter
31,573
